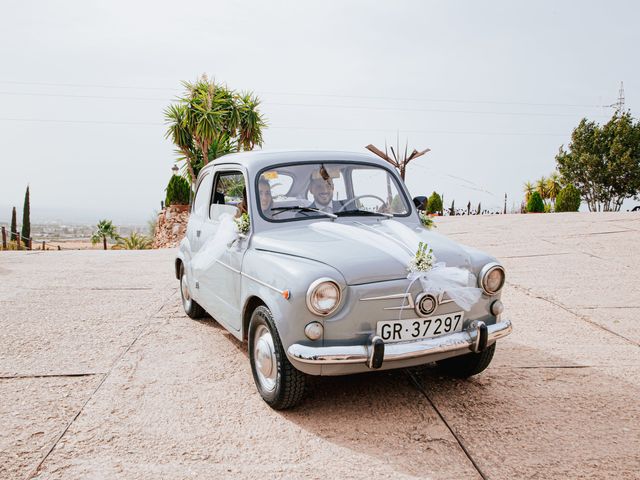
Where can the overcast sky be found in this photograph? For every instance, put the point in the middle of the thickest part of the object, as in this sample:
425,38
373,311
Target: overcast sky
493,88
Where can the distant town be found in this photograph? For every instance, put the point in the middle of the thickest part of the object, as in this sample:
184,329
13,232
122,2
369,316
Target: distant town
55,231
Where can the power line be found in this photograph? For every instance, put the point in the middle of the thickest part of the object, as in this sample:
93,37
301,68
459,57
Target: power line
86,85
429,110
435,100
312,94
293,127
73,95
314,105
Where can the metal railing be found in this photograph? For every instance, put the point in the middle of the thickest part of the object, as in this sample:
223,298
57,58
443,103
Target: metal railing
24,243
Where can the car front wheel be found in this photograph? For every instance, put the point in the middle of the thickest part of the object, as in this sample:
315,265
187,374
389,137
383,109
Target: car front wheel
191,308
279,383
467,365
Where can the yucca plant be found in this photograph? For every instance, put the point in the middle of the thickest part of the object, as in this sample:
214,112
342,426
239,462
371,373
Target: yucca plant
134,241
211,120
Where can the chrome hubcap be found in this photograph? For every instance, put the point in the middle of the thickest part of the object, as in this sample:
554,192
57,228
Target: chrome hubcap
265,358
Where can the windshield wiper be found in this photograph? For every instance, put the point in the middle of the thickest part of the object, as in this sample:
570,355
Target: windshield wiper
301,209
348,213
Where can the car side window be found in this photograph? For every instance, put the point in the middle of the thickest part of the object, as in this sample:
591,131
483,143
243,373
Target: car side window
201,201
229,195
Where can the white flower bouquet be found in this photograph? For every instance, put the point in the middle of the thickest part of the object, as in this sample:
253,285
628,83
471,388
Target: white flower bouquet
243,223
426,220
424,259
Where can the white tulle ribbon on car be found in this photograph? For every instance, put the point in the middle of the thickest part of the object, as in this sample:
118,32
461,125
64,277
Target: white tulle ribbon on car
440,279
453,281
369,237
215,246
402,243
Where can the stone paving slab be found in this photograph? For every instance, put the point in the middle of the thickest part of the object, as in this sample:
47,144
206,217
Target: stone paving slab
545,422
178,400
183,402
33,413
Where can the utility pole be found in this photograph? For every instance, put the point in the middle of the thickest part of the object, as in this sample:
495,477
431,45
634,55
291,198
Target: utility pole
619,105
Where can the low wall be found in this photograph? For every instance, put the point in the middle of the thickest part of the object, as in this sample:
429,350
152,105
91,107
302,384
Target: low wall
171,226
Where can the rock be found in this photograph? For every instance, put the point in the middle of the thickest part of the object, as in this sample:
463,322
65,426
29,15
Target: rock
171,226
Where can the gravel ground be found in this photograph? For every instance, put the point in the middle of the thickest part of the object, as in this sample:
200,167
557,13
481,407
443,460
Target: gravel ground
103,376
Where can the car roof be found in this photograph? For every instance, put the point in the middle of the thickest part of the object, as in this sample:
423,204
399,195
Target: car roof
256,160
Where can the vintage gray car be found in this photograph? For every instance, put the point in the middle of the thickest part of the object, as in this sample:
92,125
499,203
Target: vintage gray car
316,275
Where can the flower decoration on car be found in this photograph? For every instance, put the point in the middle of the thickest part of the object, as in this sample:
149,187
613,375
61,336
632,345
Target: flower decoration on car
243,223
426,220
423,260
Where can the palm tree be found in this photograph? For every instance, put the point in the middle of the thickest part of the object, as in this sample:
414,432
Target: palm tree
211,120
554,185
541,187
528,190
104,229
134,242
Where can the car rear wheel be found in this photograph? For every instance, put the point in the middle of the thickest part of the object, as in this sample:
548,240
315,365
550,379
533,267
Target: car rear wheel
191,308
278,382
467,365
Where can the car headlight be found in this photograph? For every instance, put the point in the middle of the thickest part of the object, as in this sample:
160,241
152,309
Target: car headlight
491,278
323,297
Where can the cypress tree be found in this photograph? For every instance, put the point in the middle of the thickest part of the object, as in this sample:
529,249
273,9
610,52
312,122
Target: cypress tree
14,226
26,222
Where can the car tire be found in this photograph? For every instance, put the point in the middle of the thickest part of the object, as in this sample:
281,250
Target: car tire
467,365
191,308
279,383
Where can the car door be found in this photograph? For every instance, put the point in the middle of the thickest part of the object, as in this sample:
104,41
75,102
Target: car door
220,283
199,211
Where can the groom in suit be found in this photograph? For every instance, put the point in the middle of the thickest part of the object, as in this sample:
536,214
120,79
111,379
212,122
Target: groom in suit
321,187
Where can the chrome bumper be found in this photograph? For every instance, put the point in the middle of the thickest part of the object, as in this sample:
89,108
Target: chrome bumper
476,338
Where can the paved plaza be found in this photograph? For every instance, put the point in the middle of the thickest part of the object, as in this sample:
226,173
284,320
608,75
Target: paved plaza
103,376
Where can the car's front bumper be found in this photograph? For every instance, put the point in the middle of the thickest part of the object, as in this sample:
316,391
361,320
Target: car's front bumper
474,339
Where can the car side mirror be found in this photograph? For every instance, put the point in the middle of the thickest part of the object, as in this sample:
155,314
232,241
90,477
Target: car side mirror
420,202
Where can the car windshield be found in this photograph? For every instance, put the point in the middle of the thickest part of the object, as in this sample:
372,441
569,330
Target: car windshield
329,189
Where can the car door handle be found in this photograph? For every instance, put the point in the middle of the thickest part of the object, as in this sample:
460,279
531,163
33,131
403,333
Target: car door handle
198,232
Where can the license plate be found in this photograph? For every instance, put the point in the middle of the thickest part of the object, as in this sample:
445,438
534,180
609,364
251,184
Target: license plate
417,328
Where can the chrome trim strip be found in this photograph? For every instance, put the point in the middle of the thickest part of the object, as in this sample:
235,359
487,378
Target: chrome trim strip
408,297
228,266
250,277
460,341
386,297
405,296
281,292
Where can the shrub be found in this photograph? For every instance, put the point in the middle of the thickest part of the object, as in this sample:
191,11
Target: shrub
568,199
178,191
133,242
434,203
26,219
14,227
535,203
